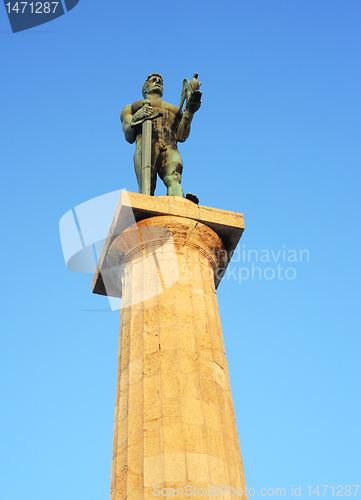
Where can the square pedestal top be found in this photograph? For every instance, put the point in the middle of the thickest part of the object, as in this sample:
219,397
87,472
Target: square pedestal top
134,207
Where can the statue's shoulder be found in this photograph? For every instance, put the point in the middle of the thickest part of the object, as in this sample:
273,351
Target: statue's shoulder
130,109
126,111
171,108
136,105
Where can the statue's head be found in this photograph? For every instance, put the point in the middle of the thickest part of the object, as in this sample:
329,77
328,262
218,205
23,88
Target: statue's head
153,85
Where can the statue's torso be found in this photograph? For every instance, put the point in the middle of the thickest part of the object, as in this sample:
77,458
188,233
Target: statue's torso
164,128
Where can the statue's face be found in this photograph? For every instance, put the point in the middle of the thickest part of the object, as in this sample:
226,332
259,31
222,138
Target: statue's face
155,85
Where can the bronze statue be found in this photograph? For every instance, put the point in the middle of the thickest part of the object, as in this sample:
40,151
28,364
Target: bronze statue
157,126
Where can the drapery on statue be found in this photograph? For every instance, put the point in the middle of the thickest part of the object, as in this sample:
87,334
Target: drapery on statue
157,126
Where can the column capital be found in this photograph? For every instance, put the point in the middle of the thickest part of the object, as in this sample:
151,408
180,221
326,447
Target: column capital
135,208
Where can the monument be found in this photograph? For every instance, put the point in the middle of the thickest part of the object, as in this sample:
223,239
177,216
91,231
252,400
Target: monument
175,431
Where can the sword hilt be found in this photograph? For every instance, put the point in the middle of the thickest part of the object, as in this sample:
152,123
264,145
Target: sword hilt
139,122
148,118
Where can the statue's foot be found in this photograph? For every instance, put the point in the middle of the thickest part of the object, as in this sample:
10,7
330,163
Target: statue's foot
192,197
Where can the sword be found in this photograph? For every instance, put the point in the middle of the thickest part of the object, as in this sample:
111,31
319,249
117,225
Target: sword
145,177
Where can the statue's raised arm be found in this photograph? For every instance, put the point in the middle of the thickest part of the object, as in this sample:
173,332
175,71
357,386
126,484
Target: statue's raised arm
192,95
156,126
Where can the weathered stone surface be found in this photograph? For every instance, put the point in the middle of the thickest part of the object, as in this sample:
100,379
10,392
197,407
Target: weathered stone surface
174,418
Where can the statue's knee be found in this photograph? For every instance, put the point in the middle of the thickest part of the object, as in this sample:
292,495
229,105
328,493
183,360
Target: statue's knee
174,177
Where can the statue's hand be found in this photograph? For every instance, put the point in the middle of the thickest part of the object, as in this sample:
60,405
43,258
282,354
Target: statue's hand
194,101
144,112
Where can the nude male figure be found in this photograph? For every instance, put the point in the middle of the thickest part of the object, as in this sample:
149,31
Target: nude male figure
171,126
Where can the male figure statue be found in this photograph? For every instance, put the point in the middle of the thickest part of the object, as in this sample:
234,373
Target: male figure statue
169,126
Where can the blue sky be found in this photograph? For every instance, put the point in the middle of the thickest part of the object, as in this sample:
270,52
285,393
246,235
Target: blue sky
277,138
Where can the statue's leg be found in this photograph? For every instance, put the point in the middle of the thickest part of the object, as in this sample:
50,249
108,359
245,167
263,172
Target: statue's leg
170,171
153,179
138,164
138,169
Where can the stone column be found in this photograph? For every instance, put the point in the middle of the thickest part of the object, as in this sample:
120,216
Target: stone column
174,418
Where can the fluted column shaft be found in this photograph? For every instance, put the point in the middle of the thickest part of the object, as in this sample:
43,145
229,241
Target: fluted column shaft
174,418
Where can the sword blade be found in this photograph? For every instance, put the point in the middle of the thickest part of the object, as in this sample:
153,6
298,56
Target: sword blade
146,156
